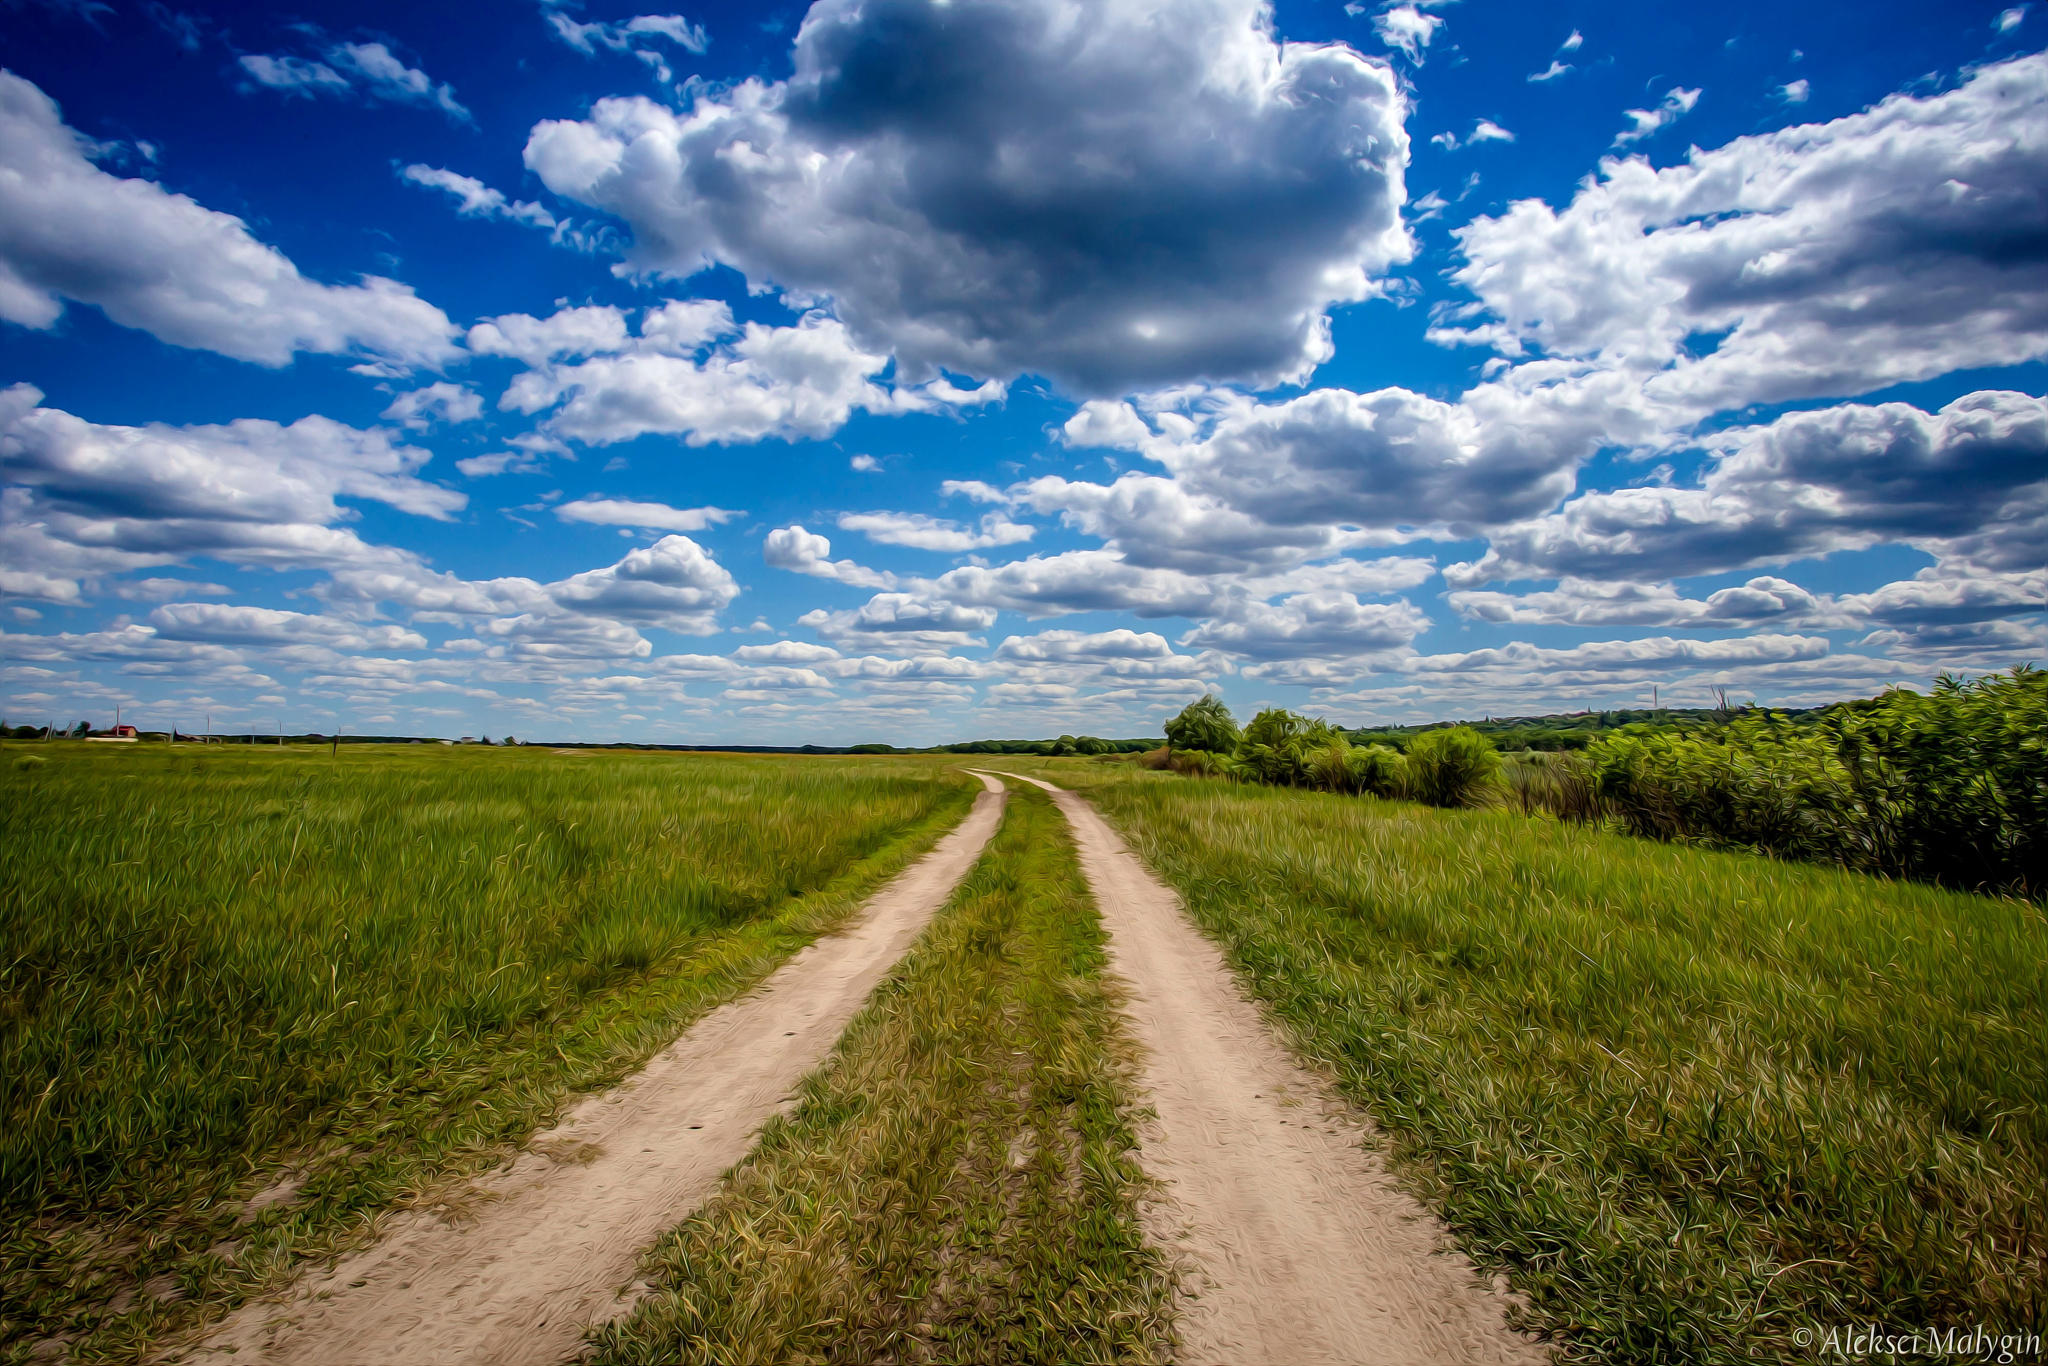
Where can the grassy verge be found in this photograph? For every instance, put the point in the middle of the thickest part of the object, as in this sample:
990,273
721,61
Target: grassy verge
957,1182
1695,1102
248,1000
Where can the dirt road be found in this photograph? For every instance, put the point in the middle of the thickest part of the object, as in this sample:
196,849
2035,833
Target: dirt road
1302,1248
553,1238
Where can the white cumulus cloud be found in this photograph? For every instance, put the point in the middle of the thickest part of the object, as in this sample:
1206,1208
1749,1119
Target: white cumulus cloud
159,261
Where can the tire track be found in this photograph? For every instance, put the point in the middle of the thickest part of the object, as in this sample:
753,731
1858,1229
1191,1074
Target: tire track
1299,1246
551,1242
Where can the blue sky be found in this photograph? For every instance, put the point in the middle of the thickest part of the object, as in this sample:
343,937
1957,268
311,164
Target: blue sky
918,370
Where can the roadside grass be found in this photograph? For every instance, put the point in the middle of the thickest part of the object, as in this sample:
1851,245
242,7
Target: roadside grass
957,1182
249,999
1694,1102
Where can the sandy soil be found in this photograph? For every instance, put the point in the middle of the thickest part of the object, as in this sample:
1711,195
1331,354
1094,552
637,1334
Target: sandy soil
549,1243
1299,1247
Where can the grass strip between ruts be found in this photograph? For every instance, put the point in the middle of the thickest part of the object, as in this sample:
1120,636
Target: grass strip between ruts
958,1181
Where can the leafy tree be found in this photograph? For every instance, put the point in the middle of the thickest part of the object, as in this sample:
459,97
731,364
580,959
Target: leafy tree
1281,746
1206,725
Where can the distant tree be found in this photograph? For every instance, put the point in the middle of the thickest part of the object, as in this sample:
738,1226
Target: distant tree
509,741
1063,746
1204,724
485,741
80,731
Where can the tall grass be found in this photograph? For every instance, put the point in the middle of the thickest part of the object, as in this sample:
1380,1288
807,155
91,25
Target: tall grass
957,1183
220,969
1694,1102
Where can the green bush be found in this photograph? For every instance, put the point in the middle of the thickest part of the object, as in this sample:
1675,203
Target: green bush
1328,766
1291,750
1198,763
1950,786
1377,769
1453,767
1204,724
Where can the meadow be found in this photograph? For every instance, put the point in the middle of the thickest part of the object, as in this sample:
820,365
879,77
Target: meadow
251,997
957,1182
1692,1101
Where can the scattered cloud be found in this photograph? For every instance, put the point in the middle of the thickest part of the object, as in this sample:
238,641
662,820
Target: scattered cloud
90,499
650,516
801,551
367,69
160,262
1483,130
436,402
1822,260
759,383
1407,30
474,199
1970,481
921,532
1677,103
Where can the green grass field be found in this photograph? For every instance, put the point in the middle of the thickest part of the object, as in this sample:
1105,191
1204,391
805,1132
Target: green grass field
1692,1101
225,969
957,1183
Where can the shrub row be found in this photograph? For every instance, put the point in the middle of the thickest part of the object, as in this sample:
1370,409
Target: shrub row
1451,767
1950,786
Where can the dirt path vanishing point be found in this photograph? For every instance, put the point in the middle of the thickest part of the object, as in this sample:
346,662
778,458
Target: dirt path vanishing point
556,1235
1301,1247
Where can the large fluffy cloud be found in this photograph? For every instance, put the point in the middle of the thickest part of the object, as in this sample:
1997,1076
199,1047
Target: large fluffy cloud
1256,482
1973,476
159,261
90,498
673,583
1118,194
1822,260
692,372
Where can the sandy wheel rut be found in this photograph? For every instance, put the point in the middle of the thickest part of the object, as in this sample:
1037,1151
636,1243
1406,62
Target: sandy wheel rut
1302,1248
550,1242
